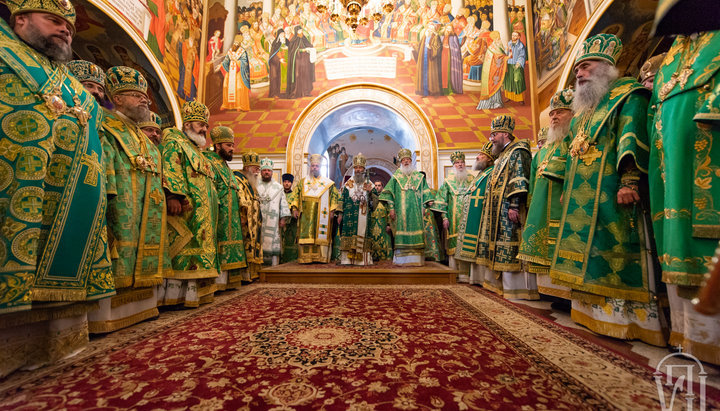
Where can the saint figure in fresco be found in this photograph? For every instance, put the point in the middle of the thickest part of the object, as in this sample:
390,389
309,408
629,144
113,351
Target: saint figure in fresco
301,71
236,85
278,63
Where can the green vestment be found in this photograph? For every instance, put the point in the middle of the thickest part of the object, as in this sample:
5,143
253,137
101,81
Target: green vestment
508,186
539,236
289,232
599,248
469,223
317,199
449,202
52,186
251,219
380,241
685,158
407,196
231,249
192,234
433,247
355,204
137,213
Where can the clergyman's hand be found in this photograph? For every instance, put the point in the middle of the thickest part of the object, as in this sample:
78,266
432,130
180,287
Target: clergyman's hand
627,196
174,207
514,215
295,213
446,223
282,223
339,219
392,215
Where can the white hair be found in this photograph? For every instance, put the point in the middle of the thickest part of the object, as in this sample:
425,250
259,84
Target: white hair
589,94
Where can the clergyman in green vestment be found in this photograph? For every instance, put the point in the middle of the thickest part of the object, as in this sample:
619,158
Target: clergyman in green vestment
470,216
251,213
289,232
231,250
449,202
378,232
137,213
354,213
684,177
406,195
52,187
189,182
600,252
547,175
503,213
315,201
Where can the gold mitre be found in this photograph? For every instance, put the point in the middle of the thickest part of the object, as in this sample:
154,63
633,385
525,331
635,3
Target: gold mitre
359,160
60,8
487,149
316,159
250,158
404,153
457,156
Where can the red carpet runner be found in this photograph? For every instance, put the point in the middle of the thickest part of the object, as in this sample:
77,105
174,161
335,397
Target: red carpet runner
357,348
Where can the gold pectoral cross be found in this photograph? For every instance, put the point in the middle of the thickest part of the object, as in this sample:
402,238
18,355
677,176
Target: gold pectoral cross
93,165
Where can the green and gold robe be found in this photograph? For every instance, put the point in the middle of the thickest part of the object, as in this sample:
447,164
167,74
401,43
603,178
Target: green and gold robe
407,195
251,218
317,199
189,176
434,249
449,202
600,253
137,220
469,222
684,177
231,249
52,185
289,234
547,175
508,186
380,241
54,255
355,205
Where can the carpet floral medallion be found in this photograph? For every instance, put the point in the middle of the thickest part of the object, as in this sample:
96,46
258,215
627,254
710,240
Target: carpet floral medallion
290,347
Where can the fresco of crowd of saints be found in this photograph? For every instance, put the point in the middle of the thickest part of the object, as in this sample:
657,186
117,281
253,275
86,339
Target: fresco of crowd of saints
551,35
282,47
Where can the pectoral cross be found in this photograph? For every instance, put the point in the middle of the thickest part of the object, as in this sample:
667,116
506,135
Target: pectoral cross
93,165
579,144
82,115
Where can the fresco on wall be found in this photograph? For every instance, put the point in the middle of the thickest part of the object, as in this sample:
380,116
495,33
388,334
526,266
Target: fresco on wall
557,23
102,41
457,67
174,37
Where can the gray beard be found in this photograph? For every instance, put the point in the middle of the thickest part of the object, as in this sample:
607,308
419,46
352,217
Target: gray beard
59,52
408,169
588,95
315,174
557,133
461,176
196,138
252,178
137,114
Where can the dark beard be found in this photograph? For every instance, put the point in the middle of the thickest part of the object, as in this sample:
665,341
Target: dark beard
225,155
267,180
61,53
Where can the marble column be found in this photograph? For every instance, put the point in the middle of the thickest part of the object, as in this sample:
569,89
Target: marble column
500,21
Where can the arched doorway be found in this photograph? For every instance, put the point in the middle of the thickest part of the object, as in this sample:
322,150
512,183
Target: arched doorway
357,109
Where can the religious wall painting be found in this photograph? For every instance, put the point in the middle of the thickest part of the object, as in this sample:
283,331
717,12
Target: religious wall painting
557,23
104,42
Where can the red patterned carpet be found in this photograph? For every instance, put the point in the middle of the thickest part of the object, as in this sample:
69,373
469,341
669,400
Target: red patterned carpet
332,347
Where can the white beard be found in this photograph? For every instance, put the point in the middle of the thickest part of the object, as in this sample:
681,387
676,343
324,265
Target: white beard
196,138
557,133
408,169
461,176
588,95
252,178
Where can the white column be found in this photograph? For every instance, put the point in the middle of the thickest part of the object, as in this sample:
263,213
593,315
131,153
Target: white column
230,24
500,21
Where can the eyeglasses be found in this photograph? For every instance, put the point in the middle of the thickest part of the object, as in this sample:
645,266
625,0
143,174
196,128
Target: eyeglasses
138,96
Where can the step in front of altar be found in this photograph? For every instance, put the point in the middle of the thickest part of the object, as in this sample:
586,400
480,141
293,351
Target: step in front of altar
383,273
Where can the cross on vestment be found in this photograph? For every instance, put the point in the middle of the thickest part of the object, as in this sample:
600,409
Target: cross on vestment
93,165
477,199
590,155
33,205
157,196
